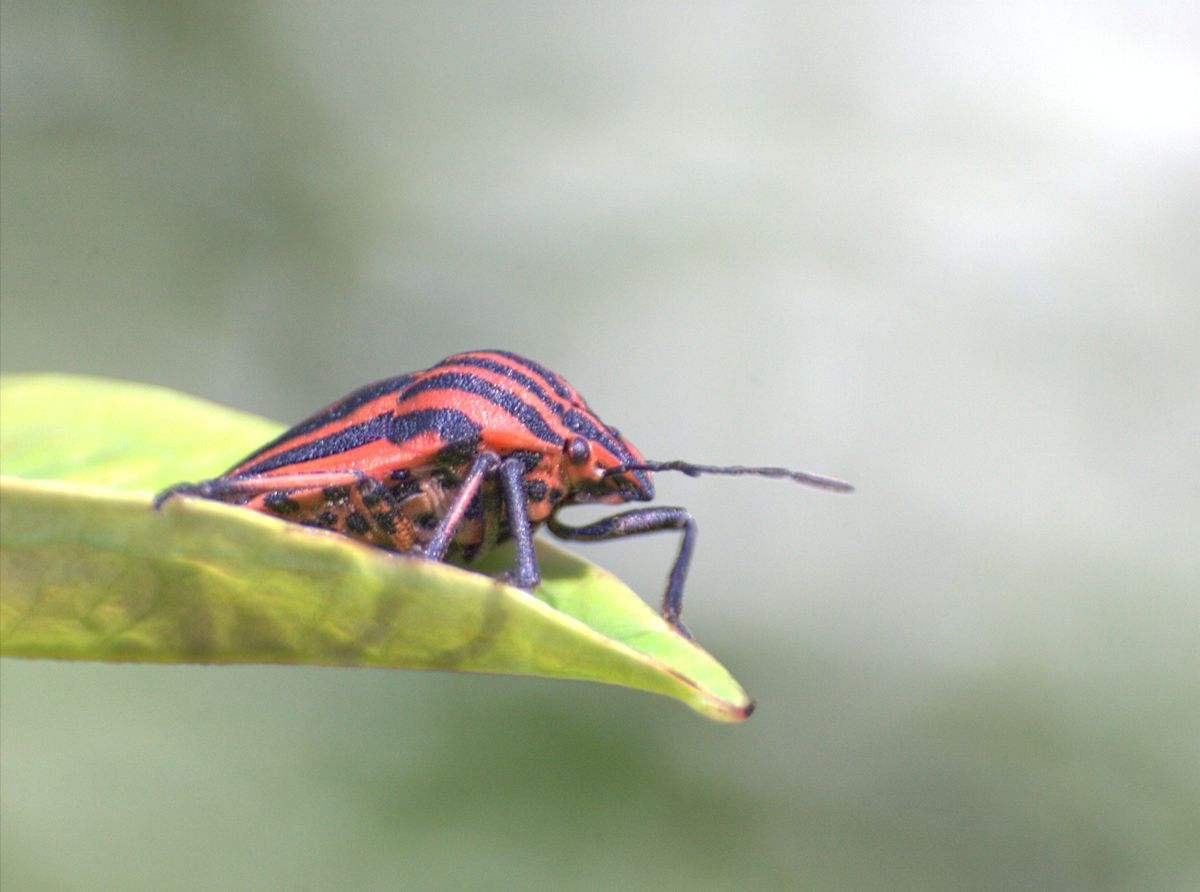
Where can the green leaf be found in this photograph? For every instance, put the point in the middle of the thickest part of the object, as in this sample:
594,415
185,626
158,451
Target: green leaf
88,570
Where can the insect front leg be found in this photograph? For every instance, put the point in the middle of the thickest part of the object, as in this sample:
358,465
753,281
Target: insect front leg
644,520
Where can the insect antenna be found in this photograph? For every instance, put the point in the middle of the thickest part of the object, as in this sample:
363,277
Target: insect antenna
735,471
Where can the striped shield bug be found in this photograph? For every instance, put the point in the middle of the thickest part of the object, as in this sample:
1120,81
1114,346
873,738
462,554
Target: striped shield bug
445,463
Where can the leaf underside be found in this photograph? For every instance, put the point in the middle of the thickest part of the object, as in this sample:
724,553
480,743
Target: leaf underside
89,571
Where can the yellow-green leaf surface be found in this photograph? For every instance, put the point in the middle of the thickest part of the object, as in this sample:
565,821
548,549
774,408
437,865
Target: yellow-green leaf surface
88,570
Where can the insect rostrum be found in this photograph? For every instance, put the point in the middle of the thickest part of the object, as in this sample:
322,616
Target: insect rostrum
447,462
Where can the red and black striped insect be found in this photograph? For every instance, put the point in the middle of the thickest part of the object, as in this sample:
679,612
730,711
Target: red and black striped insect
448,462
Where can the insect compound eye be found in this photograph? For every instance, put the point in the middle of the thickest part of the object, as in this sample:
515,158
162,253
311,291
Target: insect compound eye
578,450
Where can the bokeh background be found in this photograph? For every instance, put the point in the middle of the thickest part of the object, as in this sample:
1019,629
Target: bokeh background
947,251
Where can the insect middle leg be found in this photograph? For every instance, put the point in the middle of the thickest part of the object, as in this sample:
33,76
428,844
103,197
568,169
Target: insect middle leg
511,472
526,575
632,523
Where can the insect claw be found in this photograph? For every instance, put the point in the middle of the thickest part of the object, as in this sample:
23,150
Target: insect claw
508,577
679,627
179,489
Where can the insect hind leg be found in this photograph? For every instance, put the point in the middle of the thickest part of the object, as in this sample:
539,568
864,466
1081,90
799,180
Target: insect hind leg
228,489
205,489
485,463
384,514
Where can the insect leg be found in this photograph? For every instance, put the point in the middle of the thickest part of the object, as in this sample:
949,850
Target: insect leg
221,488
644,520
484,464
512,474
203,489
383,514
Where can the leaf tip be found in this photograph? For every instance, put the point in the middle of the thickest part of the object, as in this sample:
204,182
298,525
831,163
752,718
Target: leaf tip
736,713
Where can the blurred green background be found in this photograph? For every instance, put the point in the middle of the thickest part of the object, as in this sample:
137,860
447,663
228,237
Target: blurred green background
945,251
